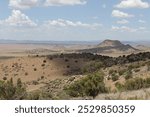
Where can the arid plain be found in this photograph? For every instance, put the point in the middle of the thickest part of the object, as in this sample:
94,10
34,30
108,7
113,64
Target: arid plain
57,69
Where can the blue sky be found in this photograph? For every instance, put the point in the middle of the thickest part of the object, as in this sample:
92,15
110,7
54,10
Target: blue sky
75,20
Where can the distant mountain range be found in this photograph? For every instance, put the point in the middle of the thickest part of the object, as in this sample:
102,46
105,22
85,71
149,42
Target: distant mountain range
108,46
8,41
4,41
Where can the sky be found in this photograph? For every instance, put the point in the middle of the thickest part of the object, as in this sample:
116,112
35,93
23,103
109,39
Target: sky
75,20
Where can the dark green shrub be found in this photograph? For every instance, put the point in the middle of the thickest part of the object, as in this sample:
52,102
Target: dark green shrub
134,84
35,82
44,61
128,75
121,72
76,61
66,60
114,77
147,83
92,67
35,69
119,86
68,66
136,70
10,91
34,95
91,85
4,78
111,71
43,65
26,73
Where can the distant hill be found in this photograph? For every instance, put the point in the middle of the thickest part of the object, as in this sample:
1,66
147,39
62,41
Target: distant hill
110,43
108,46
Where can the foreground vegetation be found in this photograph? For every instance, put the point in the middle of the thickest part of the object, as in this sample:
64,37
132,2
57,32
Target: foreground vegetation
9,91
122,73
92,85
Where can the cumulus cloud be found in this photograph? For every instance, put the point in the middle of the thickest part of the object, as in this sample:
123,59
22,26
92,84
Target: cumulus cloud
26,4
23,4
124,29
133,4
17,18
123,21
64,2
68,23
120,14
128,29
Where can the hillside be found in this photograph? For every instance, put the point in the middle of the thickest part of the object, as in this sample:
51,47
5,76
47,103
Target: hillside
78,76
111,46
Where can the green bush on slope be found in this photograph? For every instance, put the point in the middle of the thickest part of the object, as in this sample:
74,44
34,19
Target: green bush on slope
9,91
91,85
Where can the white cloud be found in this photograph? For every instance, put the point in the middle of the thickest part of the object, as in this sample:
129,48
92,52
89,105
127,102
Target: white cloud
17,18
120,14
23,4
68,23
123,21
124,29
142,21
64,2
133,4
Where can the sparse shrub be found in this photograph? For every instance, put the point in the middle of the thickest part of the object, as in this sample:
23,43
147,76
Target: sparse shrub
135,84
111,71
34,95
68,66
42,77
4,78
35,69
43,65
39,95
44,61
26,73
119,86
130,67
66,60
92,67
71,79
35,82
148,67
138,83
76,61
121,72
84,70
109,78
114,77
128,75
45,95
136,70
147,83
51,58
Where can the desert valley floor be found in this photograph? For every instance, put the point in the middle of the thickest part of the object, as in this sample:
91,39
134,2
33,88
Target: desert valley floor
110,70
